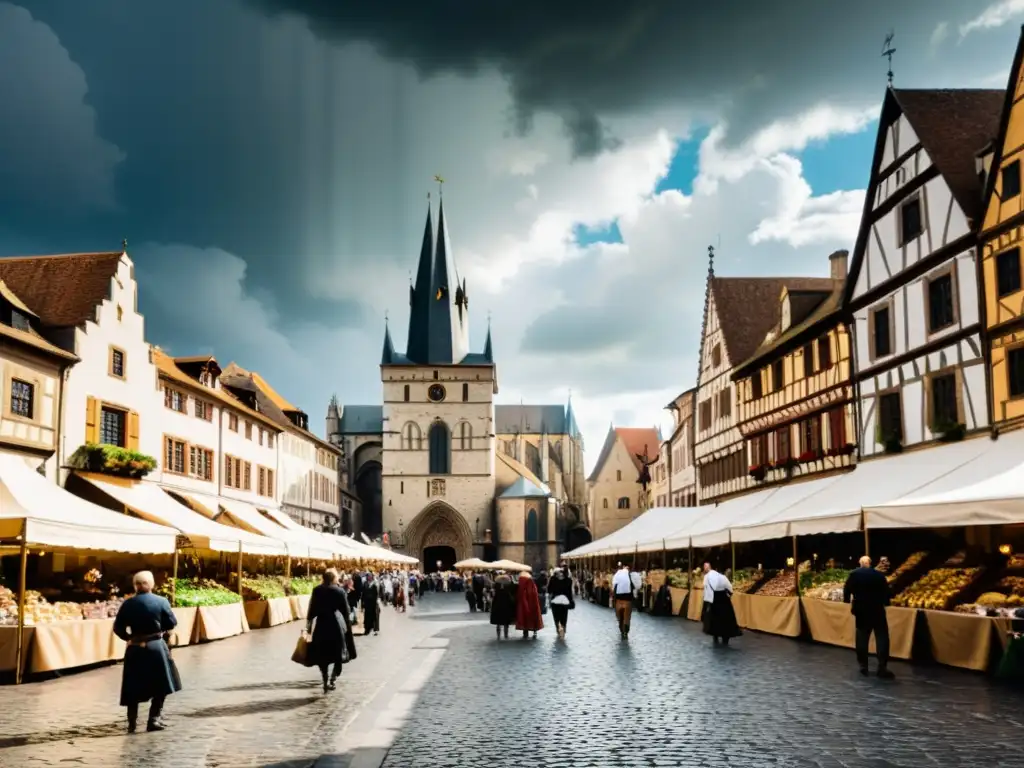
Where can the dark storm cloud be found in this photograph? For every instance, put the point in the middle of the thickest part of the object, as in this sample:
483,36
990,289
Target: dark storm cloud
748,60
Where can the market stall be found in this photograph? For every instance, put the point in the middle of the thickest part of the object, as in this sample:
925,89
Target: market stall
36,514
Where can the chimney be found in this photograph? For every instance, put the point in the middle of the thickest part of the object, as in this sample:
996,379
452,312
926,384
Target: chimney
837,263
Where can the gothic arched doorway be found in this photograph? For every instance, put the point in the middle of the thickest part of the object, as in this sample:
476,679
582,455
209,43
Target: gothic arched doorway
576,537
439,525
369,489
440,553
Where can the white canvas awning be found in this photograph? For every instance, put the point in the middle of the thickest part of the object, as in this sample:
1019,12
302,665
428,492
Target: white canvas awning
50,516
645,533
371,552
315,539
838,509
248,517
150,502
986,491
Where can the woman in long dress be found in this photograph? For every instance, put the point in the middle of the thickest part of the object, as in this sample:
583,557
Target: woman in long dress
329,623
528,618
560,589
718,616
503,605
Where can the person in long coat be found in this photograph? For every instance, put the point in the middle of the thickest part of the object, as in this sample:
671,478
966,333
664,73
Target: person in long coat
328,622
662,601
528,618
560,589
142,622
718,615
503,604
371,605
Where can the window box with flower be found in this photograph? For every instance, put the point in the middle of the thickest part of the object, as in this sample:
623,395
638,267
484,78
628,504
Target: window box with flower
807,456
111,460
759,471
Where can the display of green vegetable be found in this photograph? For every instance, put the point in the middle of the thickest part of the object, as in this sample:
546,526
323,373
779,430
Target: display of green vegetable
810,579
195,593
300,585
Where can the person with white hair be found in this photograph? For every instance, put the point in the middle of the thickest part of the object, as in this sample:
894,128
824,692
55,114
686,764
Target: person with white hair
869,591
143,621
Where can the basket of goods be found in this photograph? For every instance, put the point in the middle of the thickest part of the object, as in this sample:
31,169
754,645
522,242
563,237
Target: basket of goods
102,609
937,590
782,584
8,606
824,585
745,579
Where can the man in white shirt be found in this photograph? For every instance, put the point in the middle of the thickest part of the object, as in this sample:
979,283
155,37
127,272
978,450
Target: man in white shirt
622,599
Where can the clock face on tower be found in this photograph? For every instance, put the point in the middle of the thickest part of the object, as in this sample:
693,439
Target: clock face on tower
436,393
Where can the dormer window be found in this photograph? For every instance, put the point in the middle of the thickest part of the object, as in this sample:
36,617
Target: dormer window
206,379
20,321
787,314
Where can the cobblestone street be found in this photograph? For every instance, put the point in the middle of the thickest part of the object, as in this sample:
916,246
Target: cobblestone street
668,697
439,691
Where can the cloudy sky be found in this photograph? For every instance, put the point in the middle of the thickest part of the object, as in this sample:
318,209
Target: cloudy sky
269,160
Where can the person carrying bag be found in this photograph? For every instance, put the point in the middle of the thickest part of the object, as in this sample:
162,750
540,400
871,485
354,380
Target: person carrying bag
560,590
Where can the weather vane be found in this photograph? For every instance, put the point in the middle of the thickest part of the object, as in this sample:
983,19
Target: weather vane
440,184
887,52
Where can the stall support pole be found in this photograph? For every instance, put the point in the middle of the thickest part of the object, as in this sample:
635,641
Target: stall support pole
174,578
689,567
288,566
239,568
867,542
796,568
19,655
732,545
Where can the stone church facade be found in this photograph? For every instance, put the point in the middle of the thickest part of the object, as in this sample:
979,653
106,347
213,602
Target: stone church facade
439,468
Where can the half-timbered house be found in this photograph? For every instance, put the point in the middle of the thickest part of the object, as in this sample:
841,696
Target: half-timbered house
738,313
913,289
794,394
1001,237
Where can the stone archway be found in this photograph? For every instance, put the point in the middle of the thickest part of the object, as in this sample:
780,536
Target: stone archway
439,525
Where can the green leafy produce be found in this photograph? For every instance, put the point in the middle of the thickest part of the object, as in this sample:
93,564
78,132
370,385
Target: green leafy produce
262,588
111,460
810,579
302,586
194,593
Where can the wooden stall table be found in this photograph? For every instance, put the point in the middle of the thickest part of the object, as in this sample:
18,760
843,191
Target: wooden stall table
832,623
763,613
182,633
261,614
215,622
963,640
9,647
69,644
695,606
678,597
299,605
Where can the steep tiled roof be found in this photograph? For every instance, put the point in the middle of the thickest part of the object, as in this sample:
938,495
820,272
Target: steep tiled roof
63,290
524,489
168,369
530,419
633,439
748,307
952,125
362,420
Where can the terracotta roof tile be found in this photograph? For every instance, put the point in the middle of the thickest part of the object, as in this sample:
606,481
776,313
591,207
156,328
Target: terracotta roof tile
168,369
749,307
952,125
63,290
636,438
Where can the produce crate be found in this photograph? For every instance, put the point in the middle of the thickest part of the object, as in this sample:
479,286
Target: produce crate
939,589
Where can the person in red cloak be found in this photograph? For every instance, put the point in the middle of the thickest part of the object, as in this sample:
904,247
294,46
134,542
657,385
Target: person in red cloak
528,617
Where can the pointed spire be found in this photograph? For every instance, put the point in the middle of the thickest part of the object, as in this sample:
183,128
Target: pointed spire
488,347
420,295
570,419
388,355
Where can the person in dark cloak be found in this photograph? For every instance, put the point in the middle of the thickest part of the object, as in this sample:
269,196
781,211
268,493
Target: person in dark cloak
503,605
560,589
470,600
143,622
478,584
541,580
718,616
329,625
371,605
662,601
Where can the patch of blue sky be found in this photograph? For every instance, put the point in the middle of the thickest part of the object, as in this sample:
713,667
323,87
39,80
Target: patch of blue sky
840,163
607,233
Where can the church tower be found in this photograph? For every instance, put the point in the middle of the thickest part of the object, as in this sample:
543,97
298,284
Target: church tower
438,417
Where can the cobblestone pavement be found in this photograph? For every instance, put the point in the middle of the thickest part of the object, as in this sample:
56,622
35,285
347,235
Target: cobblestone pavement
668,697
244,704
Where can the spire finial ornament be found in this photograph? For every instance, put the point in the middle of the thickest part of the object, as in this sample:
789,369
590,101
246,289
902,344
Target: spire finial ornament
440,184
124,244
385,318
887,52
711,260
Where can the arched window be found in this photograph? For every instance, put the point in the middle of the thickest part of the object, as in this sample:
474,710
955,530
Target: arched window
411,437
604,503
532,526
440,449
624,502
465,436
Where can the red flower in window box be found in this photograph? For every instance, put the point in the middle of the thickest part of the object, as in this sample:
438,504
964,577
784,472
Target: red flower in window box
758,471
809,456
787,463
